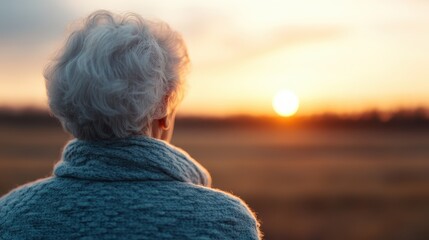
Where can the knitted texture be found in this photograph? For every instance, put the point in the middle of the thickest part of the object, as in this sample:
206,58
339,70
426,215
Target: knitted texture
133,188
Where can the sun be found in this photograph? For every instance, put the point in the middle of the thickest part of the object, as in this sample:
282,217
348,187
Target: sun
285,103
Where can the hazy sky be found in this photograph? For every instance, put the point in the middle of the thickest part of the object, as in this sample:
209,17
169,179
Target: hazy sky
336,55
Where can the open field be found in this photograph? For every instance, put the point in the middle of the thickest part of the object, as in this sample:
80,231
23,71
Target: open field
303,184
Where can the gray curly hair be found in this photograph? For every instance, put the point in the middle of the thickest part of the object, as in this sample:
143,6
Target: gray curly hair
115,75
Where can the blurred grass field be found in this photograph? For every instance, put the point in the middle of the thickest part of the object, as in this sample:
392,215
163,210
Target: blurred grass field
302,183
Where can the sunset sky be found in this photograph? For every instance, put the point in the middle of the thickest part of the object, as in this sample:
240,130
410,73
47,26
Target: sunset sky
336,55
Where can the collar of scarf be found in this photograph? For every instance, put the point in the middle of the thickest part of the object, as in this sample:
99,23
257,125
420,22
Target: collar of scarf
137,158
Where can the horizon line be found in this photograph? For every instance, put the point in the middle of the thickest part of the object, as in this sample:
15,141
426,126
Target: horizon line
326,113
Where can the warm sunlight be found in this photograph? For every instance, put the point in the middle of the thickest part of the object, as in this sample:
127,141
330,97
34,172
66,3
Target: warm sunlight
285,103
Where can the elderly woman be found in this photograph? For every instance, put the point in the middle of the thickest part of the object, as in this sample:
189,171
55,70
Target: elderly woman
115,87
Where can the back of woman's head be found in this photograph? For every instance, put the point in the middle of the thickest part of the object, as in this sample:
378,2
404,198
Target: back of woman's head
116,74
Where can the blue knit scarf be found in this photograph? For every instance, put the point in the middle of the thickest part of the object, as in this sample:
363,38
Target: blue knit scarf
136,158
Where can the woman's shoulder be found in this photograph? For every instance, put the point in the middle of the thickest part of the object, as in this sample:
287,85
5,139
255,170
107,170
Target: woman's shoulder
227,210
19,199
201,207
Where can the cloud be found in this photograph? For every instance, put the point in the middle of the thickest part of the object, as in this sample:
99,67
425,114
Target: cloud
290,36
245,46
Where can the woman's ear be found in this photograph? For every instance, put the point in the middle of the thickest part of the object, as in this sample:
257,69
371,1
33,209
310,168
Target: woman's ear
164,123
